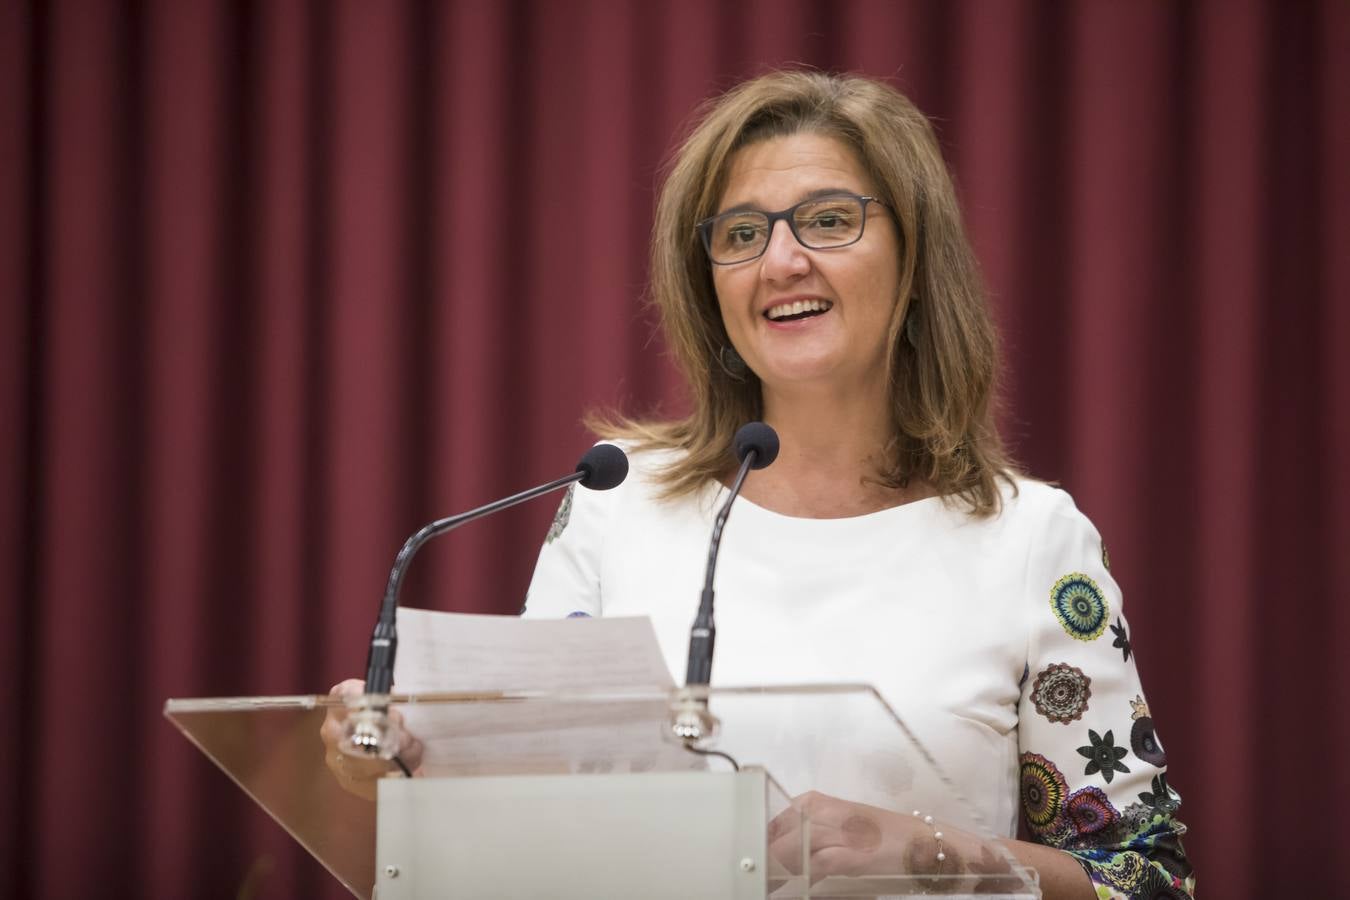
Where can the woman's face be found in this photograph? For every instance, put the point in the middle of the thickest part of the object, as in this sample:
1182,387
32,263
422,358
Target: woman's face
850,292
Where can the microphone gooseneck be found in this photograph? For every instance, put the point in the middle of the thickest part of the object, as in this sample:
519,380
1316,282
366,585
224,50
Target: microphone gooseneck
602,467
756,446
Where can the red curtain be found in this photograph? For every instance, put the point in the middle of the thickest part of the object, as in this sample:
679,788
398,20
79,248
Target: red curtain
283,280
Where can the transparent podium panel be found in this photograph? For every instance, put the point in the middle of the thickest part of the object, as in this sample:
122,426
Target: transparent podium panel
812,791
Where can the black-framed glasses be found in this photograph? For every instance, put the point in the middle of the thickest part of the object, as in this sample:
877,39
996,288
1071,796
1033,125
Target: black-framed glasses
819,223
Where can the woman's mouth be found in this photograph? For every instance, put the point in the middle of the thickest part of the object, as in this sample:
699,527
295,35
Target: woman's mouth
797,309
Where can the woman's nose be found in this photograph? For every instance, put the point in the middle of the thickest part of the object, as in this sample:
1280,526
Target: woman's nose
784,257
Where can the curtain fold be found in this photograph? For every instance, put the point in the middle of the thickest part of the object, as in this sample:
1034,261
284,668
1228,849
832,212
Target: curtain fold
283,281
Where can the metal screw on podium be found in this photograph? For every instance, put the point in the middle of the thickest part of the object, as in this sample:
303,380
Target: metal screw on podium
747,864
391,871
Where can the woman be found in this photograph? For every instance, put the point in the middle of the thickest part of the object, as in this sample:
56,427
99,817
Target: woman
812,271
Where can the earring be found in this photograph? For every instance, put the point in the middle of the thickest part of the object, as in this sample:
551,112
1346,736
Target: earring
912,329
731,363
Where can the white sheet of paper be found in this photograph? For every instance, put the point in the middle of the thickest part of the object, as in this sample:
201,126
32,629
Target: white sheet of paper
457,652
440,651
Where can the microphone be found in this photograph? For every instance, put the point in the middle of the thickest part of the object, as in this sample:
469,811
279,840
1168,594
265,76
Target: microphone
602,467
756,446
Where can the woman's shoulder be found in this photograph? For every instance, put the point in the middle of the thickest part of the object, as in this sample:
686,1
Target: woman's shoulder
644,457
1039,509
1029,499
647,465
645,490
1058,538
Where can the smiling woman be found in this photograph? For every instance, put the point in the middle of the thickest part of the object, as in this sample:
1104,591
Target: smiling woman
888,274
810,322
812,271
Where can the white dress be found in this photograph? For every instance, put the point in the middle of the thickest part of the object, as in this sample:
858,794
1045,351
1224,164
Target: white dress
1000,642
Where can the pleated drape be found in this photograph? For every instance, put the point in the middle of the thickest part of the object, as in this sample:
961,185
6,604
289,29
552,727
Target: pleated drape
281,281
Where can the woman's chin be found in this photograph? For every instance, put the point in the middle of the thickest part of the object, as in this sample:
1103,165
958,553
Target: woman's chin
813,376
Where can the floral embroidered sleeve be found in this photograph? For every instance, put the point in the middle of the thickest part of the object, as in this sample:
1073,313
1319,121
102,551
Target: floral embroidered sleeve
1093,773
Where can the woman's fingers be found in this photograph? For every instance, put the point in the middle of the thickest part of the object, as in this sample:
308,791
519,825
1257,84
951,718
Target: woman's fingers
331,730
827,816
357,774
409,746
841,861
844,838
786,848
347,686
833,852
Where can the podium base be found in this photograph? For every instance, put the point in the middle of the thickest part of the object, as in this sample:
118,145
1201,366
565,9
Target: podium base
654,835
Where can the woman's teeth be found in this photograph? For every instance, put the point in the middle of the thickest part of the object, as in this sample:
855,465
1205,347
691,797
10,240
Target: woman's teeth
797,309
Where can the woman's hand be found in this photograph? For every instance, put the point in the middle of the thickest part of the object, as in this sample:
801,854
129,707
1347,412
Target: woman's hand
854,839
359,775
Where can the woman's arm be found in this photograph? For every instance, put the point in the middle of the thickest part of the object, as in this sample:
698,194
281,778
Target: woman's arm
1062,876
854,839
1093,774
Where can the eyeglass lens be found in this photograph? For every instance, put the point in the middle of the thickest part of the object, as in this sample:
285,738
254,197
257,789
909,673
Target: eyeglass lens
817,224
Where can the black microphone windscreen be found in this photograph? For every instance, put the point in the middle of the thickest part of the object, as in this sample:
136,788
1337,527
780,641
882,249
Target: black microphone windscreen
758,437
605,466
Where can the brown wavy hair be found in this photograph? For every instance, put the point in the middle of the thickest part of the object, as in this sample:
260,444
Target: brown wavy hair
943,362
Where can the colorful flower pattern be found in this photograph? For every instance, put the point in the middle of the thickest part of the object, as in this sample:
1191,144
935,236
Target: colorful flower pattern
1044,793
1122,641
1090,811
1103,755
1132,820
1160,799
1130,852
561,517
1145,744
1080,606
1061,693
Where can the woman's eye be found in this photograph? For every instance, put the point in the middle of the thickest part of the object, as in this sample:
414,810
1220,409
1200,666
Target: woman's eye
742,234
829,220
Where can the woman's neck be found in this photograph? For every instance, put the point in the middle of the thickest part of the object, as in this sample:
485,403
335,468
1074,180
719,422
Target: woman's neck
833,451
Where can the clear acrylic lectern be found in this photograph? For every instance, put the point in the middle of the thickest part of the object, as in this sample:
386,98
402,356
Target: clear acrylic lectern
588,795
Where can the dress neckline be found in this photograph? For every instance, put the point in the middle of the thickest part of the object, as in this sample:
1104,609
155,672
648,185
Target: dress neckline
923,507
